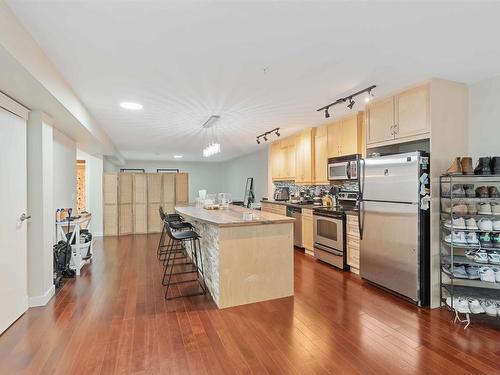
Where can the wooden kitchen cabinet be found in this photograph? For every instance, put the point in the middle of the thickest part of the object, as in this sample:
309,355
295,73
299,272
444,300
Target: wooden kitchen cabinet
304,157
321,155
283,159
380,120
274,208
402,117
412,112
333,131
307,230
345,136
140,202
352,241
181,188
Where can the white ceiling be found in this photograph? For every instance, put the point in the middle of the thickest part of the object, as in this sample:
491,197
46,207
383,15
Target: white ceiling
258,64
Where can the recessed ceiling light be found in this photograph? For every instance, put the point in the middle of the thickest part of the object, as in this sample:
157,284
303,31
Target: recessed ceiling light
177,156
131,105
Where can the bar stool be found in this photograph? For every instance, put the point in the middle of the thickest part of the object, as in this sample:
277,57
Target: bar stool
183,238
177,224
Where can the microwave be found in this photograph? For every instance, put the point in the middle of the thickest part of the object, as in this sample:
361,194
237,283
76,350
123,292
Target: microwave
343,168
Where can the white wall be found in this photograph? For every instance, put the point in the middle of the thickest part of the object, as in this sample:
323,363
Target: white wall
201,175
41,229
64,171
93,182
236,171
484,118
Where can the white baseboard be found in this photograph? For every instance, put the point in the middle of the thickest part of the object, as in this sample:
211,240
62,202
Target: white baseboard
34,301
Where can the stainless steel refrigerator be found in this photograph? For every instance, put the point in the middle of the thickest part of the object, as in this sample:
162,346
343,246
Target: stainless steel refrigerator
394,224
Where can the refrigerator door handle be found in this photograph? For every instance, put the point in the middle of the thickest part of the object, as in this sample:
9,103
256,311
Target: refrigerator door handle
361,219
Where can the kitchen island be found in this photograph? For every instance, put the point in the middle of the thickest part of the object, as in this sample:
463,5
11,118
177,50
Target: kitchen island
246,258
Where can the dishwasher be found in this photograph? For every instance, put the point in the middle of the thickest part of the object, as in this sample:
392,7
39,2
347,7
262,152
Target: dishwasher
296,213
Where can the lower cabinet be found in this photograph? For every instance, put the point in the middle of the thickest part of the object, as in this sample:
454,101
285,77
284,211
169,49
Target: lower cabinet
307,230
274,208
352,230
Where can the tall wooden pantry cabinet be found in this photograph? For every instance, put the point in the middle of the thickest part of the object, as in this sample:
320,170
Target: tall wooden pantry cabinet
131,201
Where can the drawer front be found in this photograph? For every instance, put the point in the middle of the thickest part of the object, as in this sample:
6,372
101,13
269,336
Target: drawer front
307,212
353,251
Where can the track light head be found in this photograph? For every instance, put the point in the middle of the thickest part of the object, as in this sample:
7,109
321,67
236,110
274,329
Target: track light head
277,133
327,114
369,96
265,137
258,141
351,103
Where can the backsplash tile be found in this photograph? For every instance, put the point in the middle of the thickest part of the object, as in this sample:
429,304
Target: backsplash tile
315,189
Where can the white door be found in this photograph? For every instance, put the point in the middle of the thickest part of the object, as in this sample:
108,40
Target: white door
13,196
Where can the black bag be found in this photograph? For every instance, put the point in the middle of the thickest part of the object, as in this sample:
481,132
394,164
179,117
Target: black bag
62,257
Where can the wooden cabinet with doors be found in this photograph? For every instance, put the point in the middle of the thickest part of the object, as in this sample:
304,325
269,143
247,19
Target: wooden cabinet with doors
283,159
181,188
307,230
304,157
168,192
125,200
412,108
154,202
140,203
352,240
398,118
131,201
274,208
345,136
110,204
321,155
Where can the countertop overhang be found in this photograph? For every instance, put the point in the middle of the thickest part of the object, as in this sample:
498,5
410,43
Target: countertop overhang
232,216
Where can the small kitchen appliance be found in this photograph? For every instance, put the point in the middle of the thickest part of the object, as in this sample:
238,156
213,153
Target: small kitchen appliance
282,194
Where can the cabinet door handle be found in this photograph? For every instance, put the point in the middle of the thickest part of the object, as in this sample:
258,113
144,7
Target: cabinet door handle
396,129
392,130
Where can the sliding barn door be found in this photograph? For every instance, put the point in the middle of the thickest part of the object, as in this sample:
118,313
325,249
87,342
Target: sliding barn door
125,199
154,202
110,203
140,208
168,200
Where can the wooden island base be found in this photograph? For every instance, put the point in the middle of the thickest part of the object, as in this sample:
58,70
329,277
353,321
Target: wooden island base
244,262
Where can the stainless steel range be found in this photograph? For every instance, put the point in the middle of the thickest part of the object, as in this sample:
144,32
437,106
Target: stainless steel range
329,230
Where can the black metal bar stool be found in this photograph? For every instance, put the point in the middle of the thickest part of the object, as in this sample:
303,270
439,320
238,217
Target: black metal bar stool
177,224
195,260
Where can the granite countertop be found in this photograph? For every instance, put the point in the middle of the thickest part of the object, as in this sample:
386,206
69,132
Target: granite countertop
309,206
287,203
232,216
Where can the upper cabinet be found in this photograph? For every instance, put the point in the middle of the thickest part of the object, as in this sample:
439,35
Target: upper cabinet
321,155
304,157
406,115
283,159
345,136
412,112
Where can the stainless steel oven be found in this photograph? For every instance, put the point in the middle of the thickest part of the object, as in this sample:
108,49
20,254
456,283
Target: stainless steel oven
343,168
329,242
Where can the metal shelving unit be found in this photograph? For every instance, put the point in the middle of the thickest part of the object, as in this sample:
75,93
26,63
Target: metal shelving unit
453,254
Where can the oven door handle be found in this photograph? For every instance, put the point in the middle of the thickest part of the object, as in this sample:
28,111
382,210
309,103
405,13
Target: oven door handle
348,170
328,249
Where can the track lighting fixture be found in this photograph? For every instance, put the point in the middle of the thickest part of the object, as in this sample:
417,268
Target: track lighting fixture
368,90
369,96
351,103
264,135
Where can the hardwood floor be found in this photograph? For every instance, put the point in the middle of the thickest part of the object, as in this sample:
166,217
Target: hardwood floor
114,320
